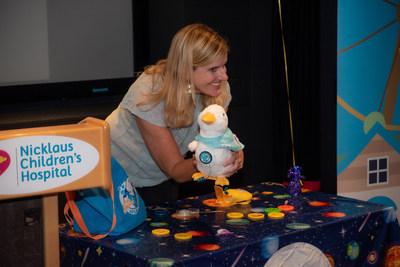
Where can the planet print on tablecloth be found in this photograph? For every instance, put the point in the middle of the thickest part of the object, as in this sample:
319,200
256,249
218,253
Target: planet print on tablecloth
158,224
269,245
353,250
298,254
372,257
330,259
297,226
161,262
127,241
283,196
392,258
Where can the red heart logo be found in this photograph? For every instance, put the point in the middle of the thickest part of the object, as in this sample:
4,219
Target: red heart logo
4,161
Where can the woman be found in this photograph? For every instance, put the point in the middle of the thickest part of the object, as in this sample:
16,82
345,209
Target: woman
156,120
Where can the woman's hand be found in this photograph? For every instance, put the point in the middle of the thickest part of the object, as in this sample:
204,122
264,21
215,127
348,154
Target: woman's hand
234,163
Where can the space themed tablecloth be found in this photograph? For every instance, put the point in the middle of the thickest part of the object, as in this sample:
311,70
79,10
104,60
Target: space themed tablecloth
315,229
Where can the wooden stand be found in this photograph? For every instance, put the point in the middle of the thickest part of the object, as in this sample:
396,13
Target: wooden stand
89,141
50,231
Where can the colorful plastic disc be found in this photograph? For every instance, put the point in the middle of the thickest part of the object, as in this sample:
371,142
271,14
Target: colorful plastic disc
183,236
268,210
197,233
234,215
334,214
161,232
276,215
267,193
318,203
286,208
207,247
212,202
256,216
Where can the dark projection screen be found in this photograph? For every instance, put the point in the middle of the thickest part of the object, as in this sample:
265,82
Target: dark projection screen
45,43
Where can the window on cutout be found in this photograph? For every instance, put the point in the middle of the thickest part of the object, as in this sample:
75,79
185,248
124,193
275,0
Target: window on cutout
378,170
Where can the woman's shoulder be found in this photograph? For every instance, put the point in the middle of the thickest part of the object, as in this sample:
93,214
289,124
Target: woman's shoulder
146,83
143,79
136,99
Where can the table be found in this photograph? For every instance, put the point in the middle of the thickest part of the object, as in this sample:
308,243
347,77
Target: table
339,230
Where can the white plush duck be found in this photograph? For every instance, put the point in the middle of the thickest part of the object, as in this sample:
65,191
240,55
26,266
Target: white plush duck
213,146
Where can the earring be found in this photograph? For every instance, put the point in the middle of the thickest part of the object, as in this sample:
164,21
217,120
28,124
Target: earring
189,89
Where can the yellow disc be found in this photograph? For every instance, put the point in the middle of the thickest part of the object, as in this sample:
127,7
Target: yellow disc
276,215
160,232
235,215
256,216
183,236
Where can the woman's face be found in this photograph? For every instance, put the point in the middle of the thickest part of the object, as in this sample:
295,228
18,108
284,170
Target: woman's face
207,79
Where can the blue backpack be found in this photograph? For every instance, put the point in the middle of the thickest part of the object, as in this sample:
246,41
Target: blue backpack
97,213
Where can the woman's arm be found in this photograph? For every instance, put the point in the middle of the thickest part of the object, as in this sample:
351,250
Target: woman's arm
165,152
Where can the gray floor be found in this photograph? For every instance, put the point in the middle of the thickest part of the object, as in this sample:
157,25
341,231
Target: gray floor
21,241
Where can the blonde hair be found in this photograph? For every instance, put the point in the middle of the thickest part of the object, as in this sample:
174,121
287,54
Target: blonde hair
193,46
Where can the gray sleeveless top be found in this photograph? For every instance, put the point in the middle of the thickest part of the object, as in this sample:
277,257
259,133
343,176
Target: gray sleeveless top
127,144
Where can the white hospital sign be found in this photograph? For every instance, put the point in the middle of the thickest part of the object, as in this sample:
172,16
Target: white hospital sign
37,163
47,160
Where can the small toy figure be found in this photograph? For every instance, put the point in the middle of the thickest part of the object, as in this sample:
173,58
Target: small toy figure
295,181
212,147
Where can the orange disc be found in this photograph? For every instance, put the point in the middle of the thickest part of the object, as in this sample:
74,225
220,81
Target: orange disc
318,203
212,202
334,214
207,247
286,208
